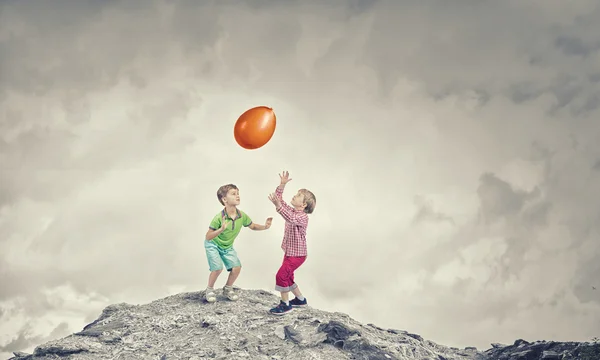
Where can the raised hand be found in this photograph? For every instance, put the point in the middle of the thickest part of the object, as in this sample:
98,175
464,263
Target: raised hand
274,200
268,222
285,178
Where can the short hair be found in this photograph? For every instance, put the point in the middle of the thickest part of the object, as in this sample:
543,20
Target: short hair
223,190
310,200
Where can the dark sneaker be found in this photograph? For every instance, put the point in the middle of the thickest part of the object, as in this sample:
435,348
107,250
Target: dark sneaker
297,303
281,309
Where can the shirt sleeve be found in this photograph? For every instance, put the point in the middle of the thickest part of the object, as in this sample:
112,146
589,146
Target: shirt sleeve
294,217
216,222
279,195
246,221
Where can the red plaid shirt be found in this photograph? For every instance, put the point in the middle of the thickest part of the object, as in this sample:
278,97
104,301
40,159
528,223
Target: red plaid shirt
296,222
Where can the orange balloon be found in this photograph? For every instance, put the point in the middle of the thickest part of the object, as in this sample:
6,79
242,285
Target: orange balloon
255,127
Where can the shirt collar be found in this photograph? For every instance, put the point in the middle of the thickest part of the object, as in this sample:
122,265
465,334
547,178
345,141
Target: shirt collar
224,213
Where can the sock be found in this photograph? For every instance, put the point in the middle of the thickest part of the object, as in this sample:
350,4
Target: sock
287,303
301,298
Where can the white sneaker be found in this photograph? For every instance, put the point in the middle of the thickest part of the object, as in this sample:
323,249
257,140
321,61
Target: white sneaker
209,295
230,293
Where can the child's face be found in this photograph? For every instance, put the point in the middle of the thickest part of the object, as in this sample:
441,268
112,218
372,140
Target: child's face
232,197
298,199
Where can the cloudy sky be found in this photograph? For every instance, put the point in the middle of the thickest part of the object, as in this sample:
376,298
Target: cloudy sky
452,146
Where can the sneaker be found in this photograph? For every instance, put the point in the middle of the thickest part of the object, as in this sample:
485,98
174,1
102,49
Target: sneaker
209,295
230,293
281,309
297,303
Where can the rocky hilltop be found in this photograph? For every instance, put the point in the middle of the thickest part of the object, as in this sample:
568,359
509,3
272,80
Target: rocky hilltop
184,326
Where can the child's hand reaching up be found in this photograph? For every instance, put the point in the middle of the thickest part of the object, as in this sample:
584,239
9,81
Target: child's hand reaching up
268,222
274,200
285,178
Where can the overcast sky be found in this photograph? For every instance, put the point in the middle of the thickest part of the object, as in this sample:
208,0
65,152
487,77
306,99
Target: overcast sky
452,146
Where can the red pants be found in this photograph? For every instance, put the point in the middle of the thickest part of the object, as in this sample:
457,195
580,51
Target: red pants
284,280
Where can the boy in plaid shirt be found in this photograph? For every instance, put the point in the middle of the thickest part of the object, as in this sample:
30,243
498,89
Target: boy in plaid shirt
293,244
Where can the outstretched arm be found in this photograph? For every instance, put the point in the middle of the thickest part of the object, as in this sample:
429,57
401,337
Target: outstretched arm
284,179
279,196
291,216
255,226
285,210
288,213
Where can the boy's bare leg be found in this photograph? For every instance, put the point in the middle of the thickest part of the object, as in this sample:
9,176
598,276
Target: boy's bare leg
297,293
228,288
233,275
285,296
212,278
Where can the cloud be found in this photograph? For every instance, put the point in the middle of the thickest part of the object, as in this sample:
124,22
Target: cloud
21,342
427,213
452,146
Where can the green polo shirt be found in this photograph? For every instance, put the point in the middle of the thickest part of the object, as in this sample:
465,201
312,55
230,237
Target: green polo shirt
225,239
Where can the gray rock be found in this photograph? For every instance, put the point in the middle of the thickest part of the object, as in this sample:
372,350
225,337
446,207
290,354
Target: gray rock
292,334
542,350
184,326
550,355
21,355
96,329
280,332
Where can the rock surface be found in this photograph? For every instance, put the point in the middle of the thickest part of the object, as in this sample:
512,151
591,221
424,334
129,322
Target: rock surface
184,326
545,350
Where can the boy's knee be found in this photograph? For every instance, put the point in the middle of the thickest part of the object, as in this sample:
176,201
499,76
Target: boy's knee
236,269
217,272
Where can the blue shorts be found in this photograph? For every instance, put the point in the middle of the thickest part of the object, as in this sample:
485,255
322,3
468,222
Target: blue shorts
217,257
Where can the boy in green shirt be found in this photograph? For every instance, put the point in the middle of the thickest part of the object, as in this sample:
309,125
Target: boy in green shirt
222,232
